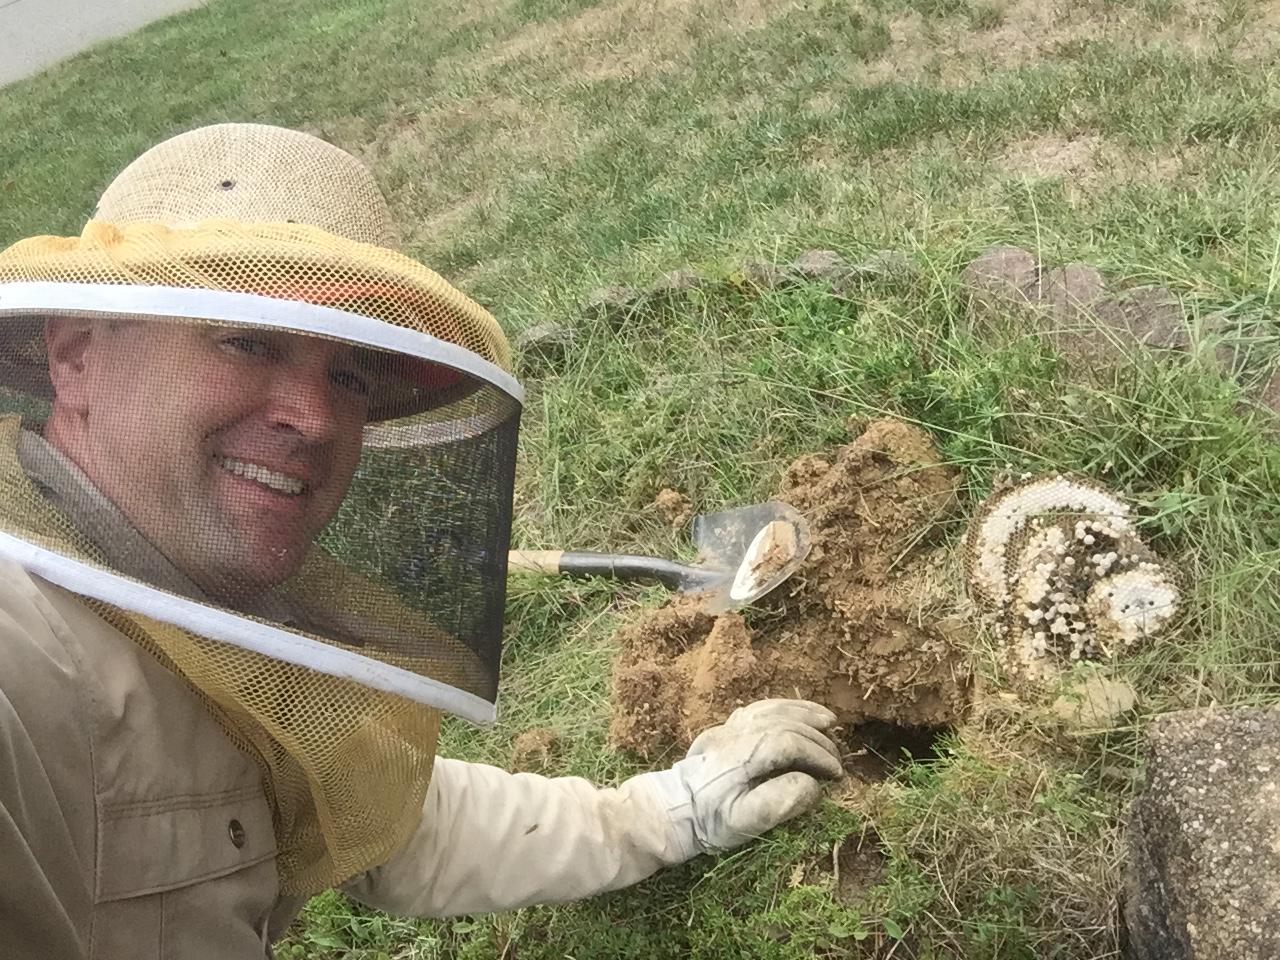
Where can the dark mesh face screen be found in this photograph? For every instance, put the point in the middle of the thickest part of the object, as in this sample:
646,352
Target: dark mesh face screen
335,492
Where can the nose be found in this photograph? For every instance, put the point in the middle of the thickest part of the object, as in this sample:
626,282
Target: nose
302,399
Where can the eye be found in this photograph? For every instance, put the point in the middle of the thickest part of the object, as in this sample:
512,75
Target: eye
248,345
350,380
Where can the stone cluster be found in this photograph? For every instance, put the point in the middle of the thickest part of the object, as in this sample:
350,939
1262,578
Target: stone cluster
546,346
1059,567
1073,305
1095,323
1088,319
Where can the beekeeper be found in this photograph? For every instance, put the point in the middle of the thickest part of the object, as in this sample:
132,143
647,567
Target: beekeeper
255,501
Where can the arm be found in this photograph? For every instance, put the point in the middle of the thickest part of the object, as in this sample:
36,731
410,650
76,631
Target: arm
491,840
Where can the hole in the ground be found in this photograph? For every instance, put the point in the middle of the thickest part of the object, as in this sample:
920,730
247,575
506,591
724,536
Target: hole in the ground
874,749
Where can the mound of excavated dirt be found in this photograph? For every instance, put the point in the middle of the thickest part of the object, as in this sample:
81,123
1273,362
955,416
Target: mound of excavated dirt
854,628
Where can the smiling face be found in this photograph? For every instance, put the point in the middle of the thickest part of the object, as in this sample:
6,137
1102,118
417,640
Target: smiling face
228,448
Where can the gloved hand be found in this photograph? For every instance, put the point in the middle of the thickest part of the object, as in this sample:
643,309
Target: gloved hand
492,840
746,776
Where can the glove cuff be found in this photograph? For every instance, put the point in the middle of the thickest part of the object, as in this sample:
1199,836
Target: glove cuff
665,793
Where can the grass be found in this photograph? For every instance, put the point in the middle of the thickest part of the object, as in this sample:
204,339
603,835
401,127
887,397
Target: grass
535,150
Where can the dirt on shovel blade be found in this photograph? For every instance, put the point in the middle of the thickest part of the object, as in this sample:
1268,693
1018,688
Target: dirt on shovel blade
858,627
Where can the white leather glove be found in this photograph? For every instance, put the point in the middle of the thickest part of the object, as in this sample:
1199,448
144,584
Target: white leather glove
746,776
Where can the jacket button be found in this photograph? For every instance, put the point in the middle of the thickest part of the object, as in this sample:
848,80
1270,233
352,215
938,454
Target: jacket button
236,831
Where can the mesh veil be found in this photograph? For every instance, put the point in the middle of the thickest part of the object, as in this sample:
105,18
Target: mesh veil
327,589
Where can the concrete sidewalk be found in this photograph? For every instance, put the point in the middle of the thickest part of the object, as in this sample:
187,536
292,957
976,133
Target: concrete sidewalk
37,33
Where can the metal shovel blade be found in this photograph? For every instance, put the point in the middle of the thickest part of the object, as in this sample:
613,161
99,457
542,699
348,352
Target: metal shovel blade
756,547
742,554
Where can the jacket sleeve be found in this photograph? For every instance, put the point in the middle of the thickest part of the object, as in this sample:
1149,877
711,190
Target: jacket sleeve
43,888
492,840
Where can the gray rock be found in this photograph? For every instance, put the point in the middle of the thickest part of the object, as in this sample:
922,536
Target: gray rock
678,281
1203,878
546,344
1269,396
1070,292
886,265
612,304
1000,275
1096,702
1152,316
820,265
762,275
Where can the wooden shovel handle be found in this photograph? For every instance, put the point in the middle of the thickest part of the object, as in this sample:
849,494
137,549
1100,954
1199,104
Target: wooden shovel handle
534,561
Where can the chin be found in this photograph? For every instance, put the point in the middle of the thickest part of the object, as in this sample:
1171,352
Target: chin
241,581
271,575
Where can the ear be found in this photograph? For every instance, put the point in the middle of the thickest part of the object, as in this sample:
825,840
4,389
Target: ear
67,343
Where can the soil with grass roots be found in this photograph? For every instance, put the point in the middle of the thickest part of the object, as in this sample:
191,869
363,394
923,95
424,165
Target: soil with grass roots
860,627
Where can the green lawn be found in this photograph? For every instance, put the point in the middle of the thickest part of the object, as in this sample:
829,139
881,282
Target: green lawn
535,150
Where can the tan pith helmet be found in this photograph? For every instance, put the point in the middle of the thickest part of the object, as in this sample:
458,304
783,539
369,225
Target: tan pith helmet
255,209
252,173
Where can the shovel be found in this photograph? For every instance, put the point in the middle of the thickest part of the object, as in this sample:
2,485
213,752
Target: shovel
742,554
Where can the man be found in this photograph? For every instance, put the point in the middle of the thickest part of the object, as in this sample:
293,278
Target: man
254,513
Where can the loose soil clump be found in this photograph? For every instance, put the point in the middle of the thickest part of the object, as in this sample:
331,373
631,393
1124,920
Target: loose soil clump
859,627
533,750
673,507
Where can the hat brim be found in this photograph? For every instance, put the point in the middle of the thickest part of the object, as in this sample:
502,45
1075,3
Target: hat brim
291,262
417,387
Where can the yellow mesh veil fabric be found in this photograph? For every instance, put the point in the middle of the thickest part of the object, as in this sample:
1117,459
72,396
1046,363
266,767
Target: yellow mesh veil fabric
346,767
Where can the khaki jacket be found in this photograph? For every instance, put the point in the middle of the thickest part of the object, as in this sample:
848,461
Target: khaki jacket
131,827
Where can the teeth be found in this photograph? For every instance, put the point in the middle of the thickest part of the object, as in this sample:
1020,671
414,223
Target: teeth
260,474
